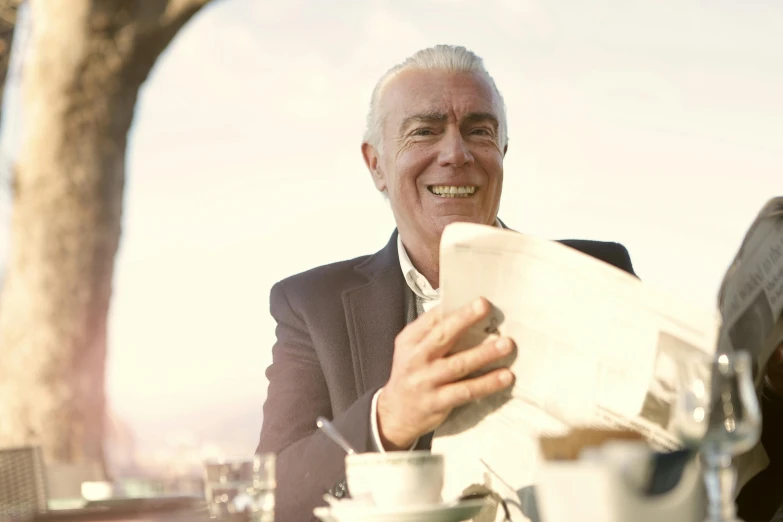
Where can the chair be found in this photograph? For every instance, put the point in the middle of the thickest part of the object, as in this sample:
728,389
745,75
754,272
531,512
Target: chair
22,483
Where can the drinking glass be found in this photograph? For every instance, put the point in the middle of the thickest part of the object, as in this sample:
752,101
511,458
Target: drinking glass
717,411
241,485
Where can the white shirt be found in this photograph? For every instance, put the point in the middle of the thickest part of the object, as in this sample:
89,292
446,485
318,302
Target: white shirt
428,297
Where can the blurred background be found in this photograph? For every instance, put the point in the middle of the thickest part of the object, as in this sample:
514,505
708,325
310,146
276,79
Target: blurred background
657,125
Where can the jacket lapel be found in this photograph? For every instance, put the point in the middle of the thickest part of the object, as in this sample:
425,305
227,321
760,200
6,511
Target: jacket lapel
375,312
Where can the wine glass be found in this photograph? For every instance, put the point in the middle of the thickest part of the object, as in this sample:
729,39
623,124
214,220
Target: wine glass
241,485
717,411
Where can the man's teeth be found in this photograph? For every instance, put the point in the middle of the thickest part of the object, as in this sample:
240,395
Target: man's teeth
448,191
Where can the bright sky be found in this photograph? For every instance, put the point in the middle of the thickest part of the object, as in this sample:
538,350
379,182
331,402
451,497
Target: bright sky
636,121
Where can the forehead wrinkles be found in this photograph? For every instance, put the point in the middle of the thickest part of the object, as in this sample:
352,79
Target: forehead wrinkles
419,91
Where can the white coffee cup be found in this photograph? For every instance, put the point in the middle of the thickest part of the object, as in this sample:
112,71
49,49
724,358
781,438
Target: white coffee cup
393,479
97,490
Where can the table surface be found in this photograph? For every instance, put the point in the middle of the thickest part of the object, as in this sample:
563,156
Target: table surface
168,509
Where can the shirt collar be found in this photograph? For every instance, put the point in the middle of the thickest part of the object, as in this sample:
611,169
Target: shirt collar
415,280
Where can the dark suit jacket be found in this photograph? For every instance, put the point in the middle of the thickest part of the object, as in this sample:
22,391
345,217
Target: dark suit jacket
336,326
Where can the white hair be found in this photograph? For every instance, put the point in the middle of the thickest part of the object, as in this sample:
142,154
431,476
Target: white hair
451,58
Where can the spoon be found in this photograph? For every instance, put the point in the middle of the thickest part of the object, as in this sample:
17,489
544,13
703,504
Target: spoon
331,432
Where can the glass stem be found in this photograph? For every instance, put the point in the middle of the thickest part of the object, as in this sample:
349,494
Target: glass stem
720,479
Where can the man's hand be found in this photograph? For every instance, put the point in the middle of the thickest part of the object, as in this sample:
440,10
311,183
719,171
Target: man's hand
775,371
425,384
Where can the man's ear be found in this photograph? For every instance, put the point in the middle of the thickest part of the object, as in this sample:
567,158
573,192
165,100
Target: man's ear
505,149
372,160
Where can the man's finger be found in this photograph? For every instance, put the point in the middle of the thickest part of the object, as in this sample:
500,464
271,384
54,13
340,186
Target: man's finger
453,395
459,365
441,338
416,330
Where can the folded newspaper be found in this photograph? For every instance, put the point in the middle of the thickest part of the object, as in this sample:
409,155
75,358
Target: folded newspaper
595,347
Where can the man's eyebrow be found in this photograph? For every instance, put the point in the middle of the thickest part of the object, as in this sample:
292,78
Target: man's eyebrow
424,117
475,117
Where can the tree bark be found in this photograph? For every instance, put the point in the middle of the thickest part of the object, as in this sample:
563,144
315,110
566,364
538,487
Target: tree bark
7,23
88,59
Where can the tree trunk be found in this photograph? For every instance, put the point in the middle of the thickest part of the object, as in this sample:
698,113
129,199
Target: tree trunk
88,59
8,10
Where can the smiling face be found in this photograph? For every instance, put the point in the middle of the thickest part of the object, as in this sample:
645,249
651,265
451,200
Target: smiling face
442,157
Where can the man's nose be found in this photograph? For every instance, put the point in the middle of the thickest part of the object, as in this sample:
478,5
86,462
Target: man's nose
454,152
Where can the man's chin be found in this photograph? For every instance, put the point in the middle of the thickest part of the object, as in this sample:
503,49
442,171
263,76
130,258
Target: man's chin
441,222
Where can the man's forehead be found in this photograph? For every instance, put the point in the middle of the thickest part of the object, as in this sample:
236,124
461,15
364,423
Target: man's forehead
431,92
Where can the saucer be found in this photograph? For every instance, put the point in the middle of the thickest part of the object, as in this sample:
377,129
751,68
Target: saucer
448,512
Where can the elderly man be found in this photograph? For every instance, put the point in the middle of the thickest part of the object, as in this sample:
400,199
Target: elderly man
362,342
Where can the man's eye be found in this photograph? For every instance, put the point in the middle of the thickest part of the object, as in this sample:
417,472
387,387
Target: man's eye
422,132
482,131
